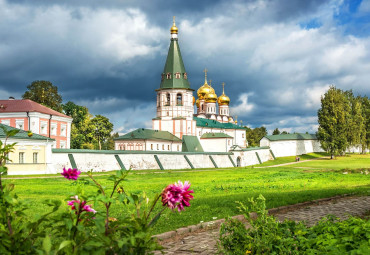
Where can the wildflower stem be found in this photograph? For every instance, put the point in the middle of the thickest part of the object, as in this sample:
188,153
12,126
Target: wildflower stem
154,203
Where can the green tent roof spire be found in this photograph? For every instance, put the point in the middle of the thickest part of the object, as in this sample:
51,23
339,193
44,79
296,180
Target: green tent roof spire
174,75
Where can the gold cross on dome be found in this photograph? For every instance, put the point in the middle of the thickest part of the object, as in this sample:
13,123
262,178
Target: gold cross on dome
205,73
210,82
223,88
174,19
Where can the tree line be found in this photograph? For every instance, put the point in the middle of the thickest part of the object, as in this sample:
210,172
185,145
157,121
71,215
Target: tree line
87,131
344,121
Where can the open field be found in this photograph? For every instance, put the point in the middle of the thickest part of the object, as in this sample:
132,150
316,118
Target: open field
216,190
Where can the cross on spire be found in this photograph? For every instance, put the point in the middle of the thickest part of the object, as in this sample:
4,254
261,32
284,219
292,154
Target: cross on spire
174,19
223,88
205,74
210,82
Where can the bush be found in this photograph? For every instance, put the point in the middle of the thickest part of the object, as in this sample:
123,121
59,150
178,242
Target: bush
268,236
75,227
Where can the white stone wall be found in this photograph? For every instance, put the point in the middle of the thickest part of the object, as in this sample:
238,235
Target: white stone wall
222,161
107,162
173,161
286,148
201,161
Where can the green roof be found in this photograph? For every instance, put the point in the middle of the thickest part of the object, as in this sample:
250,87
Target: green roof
173,65
191,144
149,134
22,134
201,122
296,136
215,135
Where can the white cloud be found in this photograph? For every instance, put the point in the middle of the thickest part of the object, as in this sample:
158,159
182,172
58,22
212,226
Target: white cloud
244,107
101,37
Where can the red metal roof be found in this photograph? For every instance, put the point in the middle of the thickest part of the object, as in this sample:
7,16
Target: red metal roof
27,105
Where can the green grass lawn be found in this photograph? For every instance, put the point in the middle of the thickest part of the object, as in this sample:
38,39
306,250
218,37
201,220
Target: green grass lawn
283,160
216,190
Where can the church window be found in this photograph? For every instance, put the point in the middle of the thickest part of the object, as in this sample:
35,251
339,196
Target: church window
168,99
168,76
177,75
162,78
202,107
157,147
179,99
185,76
168,114
168,147
151,146
178,147
243,135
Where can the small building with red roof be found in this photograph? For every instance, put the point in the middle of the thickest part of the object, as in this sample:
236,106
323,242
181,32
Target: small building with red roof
28,115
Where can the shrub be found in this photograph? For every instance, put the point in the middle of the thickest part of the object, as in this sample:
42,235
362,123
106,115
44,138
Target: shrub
268,236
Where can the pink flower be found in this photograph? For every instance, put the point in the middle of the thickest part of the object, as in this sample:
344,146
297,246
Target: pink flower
82,205
71,174
177,195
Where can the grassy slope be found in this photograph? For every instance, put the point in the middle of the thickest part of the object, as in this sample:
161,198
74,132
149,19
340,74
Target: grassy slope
283,160
217,190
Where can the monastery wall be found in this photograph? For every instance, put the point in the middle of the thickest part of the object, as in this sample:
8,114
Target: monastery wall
101,161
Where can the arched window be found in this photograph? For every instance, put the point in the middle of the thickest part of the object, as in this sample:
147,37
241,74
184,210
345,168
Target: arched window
168,147
179,99
168,99
177,75
151,146
162,147
185,76
124,147
168,76
202,107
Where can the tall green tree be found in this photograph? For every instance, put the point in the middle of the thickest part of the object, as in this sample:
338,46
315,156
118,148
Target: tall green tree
103,129
276,131
333,117
254,136
365,142
45,93
82,130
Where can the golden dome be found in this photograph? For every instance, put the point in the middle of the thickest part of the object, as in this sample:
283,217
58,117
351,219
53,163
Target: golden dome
174,29
223,99
204,90
197,102
211,98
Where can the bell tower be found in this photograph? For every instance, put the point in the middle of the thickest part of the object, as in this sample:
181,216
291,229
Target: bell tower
175,102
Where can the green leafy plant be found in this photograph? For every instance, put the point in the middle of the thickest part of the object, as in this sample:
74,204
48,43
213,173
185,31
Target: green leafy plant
76,227
268,236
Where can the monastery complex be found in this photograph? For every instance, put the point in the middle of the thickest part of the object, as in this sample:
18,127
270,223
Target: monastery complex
181,137
176,127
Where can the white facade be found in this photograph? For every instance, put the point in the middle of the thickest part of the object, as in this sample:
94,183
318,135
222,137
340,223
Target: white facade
147,145
284,148
216,144
175,112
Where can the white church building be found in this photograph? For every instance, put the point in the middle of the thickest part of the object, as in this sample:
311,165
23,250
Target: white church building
176,127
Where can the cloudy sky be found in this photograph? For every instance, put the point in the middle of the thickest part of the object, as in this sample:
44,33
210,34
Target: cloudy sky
276,57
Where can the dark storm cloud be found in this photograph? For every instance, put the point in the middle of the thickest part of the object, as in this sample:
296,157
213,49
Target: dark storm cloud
108,55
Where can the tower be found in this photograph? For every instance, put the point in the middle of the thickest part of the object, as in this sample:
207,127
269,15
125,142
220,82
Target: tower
223,105
175,102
